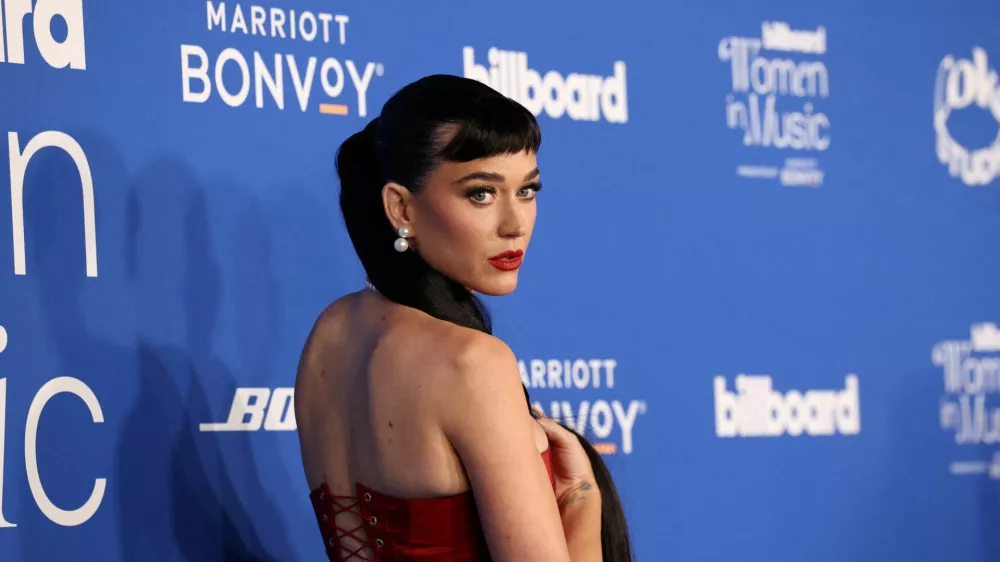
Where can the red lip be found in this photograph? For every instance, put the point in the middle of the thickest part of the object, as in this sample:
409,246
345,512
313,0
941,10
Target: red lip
507,261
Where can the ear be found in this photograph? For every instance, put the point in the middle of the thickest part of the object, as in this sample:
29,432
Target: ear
397,201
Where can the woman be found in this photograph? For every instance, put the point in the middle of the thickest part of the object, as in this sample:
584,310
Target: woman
407,407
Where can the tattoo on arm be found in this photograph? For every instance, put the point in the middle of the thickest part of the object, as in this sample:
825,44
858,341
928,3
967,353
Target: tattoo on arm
575,494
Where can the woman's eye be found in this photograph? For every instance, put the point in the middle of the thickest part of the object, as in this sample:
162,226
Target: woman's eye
481,196
526,192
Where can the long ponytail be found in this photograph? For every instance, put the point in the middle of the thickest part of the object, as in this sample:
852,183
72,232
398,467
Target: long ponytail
403,145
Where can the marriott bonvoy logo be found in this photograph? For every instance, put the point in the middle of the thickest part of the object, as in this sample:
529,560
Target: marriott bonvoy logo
584,394
320,81
581,97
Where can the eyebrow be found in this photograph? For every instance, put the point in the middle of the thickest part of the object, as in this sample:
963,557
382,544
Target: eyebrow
493,176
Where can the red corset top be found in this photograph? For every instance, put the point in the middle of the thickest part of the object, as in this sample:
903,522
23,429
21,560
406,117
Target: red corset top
404,530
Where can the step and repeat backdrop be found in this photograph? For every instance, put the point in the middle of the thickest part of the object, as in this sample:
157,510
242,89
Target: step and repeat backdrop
765,278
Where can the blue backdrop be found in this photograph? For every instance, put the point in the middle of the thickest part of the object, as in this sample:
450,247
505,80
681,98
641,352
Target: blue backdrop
763,279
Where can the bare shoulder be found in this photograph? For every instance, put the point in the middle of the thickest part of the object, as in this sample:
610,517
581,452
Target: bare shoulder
481,374
328,331
477,354
468,354
332,321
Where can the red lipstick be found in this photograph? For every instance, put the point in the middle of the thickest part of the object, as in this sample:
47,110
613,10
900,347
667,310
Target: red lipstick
507,261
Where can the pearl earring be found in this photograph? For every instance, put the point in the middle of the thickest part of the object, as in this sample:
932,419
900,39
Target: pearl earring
401,243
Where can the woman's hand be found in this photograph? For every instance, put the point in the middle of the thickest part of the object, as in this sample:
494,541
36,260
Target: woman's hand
574,475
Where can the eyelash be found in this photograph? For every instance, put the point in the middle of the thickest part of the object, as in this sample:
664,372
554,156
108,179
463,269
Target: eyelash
535,187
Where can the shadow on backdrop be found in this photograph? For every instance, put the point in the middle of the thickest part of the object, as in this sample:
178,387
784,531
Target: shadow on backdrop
173,492
218,504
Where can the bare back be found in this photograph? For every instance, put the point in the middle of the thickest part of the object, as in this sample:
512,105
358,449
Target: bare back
372,383
387,396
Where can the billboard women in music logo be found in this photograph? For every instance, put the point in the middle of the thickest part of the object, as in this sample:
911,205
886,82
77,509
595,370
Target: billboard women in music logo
778,87
970,408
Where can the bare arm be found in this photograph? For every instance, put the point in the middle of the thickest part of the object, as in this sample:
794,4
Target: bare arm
577,493
487,422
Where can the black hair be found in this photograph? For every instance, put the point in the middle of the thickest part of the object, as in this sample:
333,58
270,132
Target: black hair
435,119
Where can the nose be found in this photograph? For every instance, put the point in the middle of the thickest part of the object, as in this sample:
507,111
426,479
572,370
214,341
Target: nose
514,221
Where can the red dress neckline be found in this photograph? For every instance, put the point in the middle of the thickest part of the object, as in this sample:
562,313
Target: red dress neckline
437,529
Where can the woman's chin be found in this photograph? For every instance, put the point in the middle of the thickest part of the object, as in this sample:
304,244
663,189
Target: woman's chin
498,287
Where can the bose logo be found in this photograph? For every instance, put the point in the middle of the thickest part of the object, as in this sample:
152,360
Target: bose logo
759,411
256,407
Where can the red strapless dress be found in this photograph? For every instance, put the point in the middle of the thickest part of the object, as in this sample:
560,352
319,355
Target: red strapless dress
405,530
